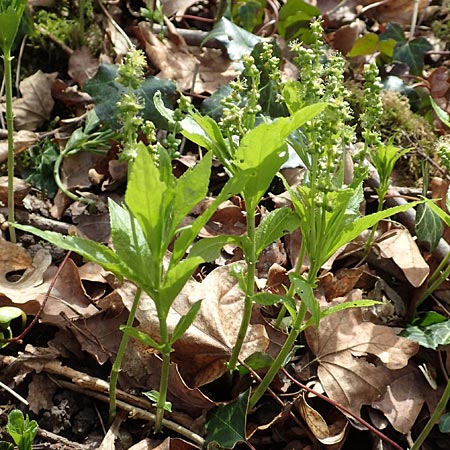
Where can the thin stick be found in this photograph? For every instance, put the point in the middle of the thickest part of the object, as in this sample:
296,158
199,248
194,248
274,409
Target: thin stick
13,393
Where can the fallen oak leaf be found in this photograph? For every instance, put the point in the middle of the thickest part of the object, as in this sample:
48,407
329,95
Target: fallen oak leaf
346,346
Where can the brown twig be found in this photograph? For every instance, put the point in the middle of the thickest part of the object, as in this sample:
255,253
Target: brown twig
343,409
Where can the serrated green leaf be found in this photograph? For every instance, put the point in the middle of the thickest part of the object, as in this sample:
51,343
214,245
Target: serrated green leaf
226,424
149,199
429,227
185,322
273,226
90,250
141,336
130,245
365,45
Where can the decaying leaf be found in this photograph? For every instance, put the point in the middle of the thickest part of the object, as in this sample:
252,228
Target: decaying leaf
328,434
33,109
23,139
399,245
204,72
202,352
357,359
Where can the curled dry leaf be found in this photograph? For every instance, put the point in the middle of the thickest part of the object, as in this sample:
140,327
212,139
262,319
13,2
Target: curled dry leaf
34,108
23,139
202,352
399,245
345,347
325,433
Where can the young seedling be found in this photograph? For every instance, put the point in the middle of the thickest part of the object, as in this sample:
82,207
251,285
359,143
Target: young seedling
21,429
11,12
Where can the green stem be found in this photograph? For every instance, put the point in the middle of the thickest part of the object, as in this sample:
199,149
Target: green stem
10,125
250,258
436,279
165,369
280,360
120,354
433,419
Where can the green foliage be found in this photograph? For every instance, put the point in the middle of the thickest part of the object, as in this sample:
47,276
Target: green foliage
410,52
107,91
7,315
21,429
429,227
11,12
248,14
226,424
370,43
294,20
430,331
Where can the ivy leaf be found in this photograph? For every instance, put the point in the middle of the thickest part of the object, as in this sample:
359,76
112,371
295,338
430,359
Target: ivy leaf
412,53
226,424
429,227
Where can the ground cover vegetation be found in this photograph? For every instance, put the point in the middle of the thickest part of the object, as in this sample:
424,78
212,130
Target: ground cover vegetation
225,224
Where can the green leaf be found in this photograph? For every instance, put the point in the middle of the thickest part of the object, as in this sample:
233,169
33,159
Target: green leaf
154,397
354,229
9,313
443,116
190,189
10,15
175,279
90,250
204,131
305,291
236,40
431,336
209,248
346,305
256,361
106,92
294,19
141,336
226,424
440,212
149,199
273,226
429,227
6,446
444,423
365,45
131,246
248,13
185,322
412,53
393,31
22,430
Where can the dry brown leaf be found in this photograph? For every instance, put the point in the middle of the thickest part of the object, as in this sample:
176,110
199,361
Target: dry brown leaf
404,399
202,352
176,7
82,65
345,347
325,432
201,73
399,245
20,188
167,444
40,392
34,108
23,139
341,283
399,11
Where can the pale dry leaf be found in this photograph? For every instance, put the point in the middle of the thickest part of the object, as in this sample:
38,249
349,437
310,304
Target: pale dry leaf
404,399
399,245
167,444
82,65
33,109
345,347
202,352
23,139
399,11
40,392
176,7
328,432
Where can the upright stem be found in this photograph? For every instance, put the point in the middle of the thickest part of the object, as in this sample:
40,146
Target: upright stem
250,258
10,125
120,354
281,359
433,419
165,368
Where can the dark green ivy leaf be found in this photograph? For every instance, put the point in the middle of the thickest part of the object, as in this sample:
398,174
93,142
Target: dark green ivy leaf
226,424
429,226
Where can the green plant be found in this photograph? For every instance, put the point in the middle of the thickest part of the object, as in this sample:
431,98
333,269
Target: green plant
7,315
21,429
11,12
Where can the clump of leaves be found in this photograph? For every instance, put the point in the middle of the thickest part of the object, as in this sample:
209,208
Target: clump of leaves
22,431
